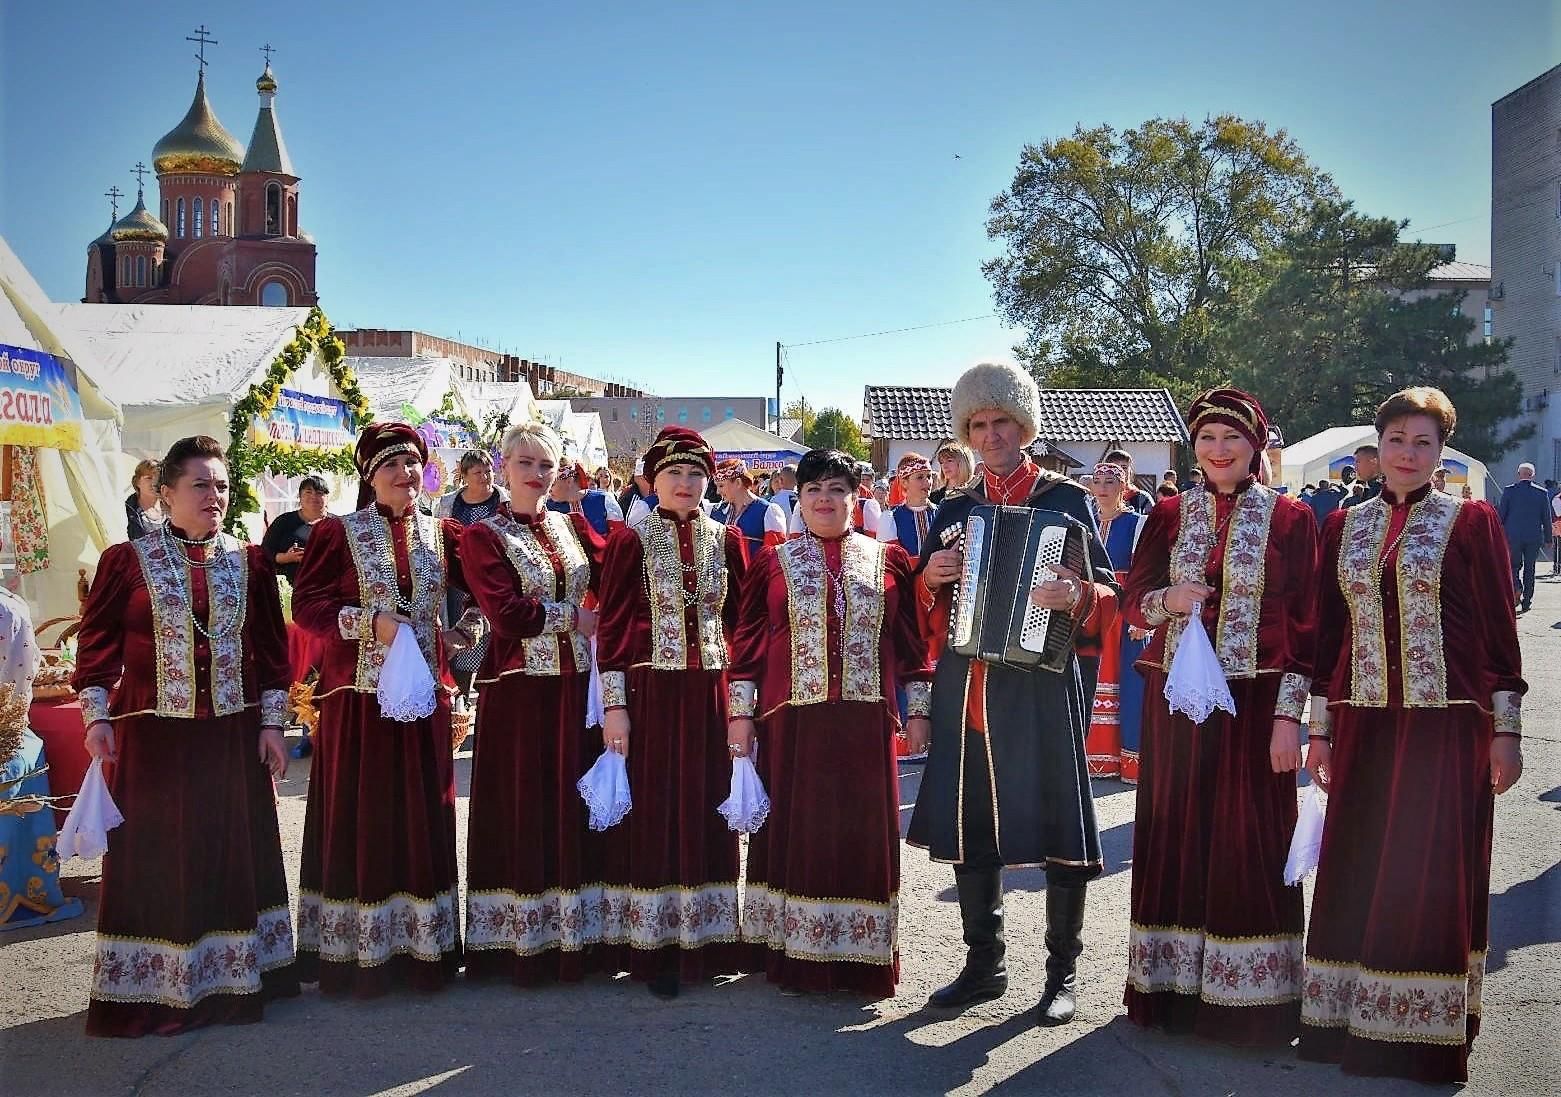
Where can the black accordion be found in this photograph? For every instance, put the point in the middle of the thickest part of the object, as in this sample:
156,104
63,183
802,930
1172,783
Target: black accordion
1008,552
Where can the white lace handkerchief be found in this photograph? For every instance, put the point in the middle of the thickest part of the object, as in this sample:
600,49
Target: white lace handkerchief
406,685
1196,685
746,809
605,790
94,814
593,697
1307,842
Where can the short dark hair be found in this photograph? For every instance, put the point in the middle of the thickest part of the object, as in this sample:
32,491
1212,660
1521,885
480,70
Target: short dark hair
171,468
827,464
1114,455
1420,400
1167,491
474,457
1367,448
313,483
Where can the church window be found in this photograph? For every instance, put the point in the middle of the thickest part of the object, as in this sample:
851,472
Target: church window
165,211
232,228
140,270
200,224
216,217
179,213
274,209
273,294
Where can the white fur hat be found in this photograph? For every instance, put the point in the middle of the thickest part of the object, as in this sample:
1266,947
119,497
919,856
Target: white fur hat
994,386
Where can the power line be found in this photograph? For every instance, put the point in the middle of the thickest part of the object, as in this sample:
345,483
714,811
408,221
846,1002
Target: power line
1444,224
891,331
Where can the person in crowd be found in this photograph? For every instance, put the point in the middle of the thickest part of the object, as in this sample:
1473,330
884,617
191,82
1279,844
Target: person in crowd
671,592
1194,479
956,466
1306,492
785,484
377,884
1368,475
289,531
1006,781
532,910
827,631
758,521
1166,491
604,480
1169,477
1326,499
182,675
1525,518
908,523
571,493
1214,941
1555,533
144,507
1439,478
1112,746
1416,723
1134,498
633,499
475,497
617,487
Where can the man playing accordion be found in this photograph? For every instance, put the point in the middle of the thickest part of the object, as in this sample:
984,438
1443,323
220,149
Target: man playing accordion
1006,782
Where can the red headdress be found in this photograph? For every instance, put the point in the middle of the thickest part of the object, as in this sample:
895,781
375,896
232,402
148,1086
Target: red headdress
378,443
1235,409
679,445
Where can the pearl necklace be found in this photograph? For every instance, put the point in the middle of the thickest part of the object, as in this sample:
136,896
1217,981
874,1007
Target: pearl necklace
816,555
664,548
215,558
426,574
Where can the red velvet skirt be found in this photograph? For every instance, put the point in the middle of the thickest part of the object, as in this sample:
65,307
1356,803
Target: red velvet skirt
1396,952
822,892
377,886
193,923
532,902
1214,944
670,868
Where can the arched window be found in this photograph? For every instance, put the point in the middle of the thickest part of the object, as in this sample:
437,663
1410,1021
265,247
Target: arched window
179,213
200,223
232,228
273,209
292,215
216,217
140,270
274,294
165,211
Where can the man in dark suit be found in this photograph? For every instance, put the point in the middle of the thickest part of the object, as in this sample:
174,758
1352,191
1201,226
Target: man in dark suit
1525,515
1325,500
1368,470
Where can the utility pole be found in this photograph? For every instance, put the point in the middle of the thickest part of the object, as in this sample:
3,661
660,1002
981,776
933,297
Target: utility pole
779,373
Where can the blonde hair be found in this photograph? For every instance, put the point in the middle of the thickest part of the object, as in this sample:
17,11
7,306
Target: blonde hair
966,459
142,469
538,435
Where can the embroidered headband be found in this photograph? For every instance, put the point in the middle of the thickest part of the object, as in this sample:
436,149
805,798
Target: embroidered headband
1107,471
733,469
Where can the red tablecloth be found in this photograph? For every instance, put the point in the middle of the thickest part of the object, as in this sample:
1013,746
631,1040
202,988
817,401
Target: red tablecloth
58,724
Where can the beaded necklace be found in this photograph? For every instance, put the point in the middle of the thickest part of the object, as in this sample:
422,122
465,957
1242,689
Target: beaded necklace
664,549
213,557
425,570
815,554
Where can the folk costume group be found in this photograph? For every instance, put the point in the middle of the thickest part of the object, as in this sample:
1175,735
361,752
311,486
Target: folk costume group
717,639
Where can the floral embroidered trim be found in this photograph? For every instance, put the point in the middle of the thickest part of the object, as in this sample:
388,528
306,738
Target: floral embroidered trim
1152,606
1322,720
557,617
355,623
369,934
861,573
741,698
667,594
1295,690
368,540
129,969
803,571
862,570
1426,533
615,689
821,929
918,698
533,565
1399,1007
1507,710
686,917
1223,971
1241,583
529,924
273,708
94,704
168,587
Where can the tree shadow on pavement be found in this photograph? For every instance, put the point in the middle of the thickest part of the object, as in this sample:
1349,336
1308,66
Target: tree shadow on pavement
1527,913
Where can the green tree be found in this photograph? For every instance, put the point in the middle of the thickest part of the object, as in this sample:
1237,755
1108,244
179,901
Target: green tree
834,429
798,409
1341,315
1117,245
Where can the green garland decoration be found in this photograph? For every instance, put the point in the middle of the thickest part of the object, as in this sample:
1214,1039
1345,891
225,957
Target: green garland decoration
247,459
446,411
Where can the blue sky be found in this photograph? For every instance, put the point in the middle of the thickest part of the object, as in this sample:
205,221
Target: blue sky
659,193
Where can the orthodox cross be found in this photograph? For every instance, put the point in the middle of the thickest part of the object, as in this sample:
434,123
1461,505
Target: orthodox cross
113,194
268,51
201,36
139,171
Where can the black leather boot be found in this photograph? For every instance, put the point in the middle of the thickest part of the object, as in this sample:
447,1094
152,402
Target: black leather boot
984,976
1064,942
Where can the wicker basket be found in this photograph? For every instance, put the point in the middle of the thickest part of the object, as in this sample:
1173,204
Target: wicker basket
460,728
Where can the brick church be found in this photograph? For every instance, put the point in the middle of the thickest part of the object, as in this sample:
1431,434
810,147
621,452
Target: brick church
226,230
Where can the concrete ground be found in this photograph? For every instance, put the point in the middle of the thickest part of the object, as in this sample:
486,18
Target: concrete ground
610,1036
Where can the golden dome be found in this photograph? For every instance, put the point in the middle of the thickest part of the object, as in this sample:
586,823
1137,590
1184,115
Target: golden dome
267,81
139,224
198,143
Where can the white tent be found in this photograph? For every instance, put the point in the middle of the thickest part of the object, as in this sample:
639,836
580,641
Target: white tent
84,489
512,398
761,449
582,432
393,384
177,370
1324,455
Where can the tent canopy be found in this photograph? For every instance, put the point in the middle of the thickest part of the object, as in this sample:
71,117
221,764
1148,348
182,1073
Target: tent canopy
1324,455
760,448
512,398
393,383
581,430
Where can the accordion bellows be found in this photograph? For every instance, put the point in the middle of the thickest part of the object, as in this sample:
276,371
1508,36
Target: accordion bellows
1009,551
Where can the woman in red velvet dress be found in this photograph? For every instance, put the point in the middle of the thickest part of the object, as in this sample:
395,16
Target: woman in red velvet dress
1214,944
532,897
827,632
182,672
377,885
1418,661
670,594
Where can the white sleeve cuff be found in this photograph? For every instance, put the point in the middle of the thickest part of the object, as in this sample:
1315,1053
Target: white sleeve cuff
273,708
740,699
1507,710
94,705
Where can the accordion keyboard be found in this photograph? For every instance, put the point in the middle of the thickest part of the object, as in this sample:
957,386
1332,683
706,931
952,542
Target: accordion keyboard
1048,554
